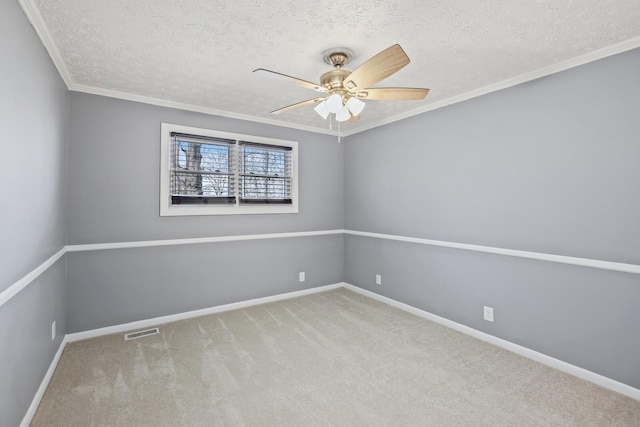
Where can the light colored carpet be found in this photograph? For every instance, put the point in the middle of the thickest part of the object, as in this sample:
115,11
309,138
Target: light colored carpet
332,358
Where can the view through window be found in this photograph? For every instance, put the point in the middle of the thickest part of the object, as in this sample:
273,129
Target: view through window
208,169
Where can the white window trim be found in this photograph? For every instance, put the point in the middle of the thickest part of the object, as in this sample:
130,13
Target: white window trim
166,209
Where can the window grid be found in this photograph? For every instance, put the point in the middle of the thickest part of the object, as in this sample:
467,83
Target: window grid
201,171
206,170
265,174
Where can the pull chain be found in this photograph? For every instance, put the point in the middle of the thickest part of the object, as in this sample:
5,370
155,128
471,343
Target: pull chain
339,128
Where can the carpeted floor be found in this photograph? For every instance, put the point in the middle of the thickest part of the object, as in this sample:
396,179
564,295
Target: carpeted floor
334,358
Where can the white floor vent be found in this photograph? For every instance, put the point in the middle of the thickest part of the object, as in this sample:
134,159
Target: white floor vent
140,334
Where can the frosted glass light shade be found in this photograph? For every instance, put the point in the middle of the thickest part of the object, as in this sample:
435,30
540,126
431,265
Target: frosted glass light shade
334,103
321,109
343,114
355,106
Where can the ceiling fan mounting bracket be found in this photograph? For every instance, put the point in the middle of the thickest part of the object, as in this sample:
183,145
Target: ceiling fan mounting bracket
337,56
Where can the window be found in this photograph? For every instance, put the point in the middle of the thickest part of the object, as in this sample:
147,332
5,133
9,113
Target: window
205,172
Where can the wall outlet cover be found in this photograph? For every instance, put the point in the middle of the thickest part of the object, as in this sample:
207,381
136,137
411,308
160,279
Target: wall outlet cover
301,277
488,314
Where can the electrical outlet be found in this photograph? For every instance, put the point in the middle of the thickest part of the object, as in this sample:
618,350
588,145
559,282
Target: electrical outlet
53,330
301,276
488,314
378,279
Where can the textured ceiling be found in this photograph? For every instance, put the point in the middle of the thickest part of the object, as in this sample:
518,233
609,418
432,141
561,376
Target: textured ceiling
199,54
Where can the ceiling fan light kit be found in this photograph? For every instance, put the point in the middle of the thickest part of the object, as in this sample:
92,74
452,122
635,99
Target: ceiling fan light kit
355,106
334,103
343,115
322,109
345,90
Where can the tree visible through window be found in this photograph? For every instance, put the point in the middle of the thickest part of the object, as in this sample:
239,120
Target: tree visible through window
201,171
212,160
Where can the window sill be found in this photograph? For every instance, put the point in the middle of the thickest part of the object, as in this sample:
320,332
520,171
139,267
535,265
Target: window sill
226,210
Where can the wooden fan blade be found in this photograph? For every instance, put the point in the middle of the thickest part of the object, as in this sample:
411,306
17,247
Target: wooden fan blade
377,68
298,105
293,80
393,93
353,119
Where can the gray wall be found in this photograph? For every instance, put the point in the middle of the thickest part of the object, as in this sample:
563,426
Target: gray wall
119,286
26,348
548,166
34,116
114,168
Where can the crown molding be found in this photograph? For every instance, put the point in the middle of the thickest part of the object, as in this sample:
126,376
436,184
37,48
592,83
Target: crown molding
37,21
513,81
191,107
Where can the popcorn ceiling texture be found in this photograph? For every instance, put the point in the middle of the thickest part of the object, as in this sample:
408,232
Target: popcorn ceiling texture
202,52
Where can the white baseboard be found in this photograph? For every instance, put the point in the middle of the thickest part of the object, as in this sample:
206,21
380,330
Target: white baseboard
152,322
141,324
507,345
43,385
565,367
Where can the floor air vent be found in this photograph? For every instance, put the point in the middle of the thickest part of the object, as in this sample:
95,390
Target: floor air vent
140,334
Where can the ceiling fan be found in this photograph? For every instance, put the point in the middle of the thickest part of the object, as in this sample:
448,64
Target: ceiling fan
344,90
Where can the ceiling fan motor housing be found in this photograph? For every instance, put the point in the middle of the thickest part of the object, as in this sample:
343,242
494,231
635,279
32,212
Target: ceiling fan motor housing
333,79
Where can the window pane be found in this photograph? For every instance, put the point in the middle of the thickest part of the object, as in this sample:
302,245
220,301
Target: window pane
189,183
263,162
215,185
255,187
215,158
276,163
181,156
202,157
254,161
200,169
